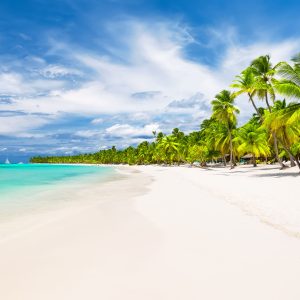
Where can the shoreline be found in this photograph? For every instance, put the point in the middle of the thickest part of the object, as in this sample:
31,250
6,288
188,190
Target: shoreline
163,233
48,194
68,197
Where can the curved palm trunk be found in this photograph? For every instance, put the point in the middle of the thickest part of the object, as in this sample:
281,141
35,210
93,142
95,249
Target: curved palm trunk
290,154
231,150
254,105
267,102
274,137
276,151
287,145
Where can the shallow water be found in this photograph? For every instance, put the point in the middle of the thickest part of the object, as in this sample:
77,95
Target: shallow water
23,187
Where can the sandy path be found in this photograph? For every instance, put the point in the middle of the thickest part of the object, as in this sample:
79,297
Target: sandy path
176,241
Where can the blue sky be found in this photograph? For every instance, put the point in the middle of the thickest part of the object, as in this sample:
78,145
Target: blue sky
82,75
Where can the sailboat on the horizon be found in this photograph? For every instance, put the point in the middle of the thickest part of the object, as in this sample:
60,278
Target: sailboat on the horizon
7,162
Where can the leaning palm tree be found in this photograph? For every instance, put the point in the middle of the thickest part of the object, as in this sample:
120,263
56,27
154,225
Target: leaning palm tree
225,112
287,131
289,86
253,139
246,83
264,73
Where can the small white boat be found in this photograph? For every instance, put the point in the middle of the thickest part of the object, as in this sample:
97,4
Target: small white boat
7,162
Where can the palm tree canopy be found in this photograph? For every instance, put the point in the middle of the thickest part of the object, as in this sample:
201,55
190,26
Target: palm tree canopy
284,120
262,66
264,73
253,139
245,82
289,85
223,108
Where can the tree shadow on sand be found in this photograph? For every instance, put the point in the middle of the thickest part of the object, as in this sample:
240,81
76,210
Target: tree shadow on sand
277,175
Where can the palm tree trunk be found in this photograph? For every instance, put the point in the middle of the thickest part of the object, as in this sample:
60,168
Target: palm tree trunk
287,145
276,150
292,160
274,136
290,154
231,151
267,102
254,160
224,161
254,105
234,160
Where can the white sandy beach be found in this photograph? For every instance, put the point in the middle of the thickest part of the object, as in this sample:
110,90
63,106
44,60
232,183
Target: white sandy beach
162,233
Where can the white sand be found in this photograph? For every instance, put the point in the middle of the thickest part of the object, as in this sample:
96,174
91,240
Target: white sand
163,234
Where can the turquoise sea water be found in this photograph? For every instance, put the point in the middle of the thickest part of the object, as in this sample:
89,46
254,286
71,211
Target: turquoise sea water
22,186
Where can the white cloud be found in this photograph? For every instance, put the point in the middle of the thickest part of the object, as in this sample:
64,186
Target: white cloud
3,149
86,133
149,75
126,130
97,121
18,125
12,83
238,57
15,84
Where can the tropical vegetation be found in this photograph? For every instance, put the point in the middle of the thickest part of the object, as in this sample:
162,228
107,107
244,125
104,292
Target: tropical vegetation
271,135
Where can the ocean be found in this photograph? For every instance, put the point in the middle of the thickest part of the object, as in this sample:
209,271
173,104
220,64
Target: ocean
24,187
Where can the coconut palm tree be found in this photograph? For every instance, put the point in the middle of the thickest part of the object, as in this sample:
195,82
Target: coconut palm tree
225,112
253,139
289,86
179,135
296,150
169,147
264,73
198,153
246,83
143,155
279,122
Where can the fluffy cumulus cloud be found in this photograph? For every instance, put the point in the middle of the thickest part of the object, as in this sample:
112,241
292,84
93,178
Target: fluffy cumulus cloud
145,82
